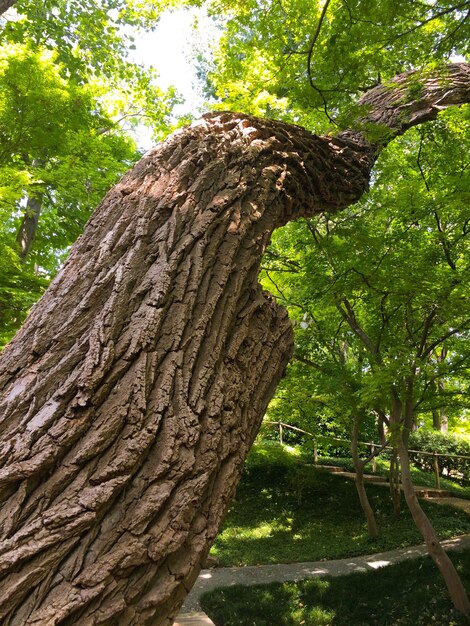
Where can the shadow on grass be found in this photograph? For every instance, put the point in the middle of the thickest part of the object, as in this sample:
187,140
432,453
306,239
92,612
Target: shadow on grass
407,594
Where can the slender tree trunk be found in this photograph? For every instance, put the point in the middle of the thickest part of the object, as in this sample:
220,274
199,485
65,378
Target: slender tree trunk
394,481
443,419
132,393
451,578
453,582
372,528
29,225
381,430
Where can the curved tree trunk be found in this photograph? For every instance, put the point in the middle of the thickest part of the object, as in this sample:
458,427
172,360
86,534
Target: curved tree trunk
131,395
134,390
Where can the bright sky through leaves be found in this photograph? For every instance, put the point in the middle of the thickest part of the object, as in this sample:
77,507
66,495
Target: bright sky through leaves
169,49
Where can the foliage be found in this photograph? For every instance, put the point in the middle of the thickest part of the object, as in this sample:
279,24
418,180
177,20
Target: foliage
298,60
59,146
19,290
287,511
377,292
406,594
69,100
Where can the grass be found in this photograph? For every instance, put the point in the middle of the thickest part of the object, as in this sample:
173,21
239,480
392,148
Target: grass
286,511
407,594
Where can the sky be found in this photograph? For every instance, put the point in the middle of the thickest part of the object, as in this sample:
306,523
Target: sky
168,49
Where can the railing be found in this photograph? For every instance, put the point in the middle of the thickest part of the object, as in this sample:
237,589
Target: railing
370,445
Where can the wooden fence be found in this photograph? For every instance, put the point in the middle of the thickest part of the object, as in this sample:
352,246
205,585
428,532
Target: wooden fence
369,445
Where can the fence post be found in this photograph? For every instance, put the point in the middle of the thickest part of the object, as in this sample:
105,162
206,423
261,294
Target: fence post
374,458
280,434
315,452
436,470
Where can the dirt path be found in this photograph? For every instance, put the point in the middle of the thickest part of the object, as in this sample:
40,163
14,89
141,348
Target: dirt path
458,503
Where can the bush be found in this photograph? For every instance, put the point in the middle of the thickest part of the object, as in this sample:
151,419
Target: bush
442,443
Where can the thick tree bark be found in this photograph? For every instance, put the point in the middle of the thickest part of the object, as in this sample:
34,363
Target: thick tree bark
131,395
133,392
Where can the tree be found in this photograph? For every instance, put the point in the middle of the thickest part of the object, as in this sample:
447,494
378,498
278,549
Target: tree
382,294
5,5
305,62
132,393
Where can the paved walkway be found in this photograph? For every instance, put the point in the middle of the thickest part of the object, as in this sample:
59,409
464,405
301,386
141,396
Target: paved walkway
209,579
255,575
194,619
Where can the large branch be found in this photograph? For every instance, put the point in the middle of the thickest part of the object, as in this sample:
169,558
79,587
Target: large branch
131,395
410,99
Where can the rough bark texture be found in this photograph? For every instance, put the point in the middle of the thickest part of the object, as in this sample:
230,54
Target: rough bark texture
410,99
134,390
131,395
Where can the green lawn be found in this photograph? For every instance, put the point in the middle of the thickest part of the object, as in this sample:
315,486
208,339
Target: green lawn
286,511
408,594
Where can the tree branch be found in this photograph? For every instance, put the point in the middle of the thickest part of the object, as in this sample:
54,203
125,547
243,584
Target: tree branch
308,362
407,100
433,17
309,60
448,334
5,5
346,310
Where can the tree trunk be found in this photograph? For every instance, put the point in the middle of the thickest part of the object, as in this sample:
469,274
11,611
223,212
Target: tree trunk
5,5
131,395
372,528
133,392
394,481
436,551
443,419
29,225
451,578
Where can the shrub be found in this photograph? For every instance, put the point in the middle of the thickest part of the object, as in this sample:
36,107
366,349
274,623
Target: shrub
442,443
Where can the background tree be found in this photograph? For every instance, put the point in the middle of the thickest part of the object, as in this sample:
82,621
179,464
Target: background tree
65,133
306,62
376,297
